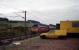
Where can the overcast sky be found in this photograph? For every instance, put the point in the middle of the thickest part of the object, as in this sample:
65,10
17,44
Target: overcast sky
45,11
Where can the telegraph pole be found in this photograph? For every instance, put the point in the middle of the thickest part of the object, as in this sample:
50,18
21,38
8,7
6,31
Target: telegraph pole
25,23
25,18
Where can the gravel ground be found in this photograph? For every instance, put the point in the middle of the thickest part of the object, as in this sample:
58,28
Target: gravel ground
46,44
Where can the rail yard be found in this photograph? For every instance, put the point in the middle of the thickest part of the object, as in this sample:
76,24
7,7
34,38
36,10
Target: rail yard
39,36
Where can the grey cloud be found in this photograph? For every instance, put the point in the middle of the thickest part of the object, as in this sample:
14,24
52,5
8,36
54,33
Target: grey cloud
45,11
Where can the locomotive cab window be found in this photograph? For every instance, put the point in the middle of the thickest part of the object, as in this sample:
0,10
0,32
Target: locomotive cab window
75,24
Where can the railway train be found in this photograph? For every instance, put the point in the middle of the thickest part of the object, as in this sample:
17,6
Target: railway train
63,30
40,29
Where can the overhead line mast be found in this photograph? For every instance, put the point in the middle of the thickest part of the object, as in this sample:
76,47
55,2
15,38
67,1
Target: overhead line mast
25,23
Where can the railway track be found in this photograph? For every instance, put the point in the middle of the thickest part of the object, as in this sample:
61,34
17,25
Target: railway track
10,40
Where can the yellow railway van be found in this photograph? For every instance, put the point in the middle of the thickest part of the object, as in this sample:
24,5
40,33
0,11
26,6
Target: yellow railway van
66,29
